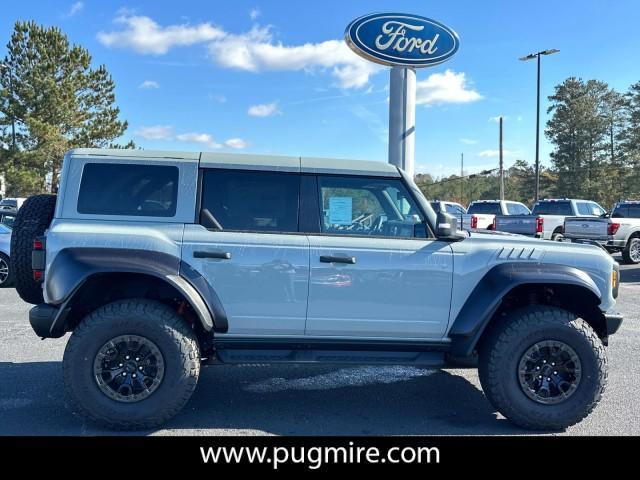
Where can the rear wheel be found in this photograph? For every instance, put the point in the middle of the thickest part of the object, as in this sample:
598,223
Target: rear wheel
131,364
557,236
631,253
32,220
543,368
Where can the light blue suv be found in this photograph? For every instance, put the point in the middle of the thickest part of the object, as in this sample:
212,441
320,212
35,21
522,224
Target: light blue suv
158,261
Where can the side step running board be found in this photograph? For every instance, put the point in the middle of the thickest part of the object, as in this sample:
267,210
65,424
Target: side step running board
359,357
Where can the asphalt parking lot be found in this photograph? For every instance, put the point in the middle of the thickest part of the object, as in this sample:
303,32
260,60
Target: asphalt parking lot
309,400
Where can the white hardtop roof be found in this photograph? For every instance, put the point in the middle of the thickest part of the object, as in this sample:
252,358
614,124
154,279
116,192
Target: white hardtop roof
248,161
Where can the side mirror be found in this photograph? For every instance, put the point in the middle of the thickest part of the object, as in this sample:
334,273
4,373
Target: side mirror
446,225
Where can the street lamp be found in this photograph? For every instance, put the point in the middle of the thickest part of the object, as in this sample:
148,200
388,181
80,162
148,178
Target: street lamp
13,120
531,56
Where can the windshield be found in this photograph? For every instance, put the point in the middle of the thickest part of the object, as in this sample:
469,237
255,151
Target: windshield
552,208
491,208
4,229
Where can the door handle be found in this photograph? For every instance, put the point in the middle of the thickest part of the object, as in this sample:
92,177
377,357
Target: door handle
336,259
214,254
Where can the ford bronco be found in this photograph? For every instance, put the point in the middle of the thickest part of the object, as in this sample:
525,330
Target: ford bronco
158,262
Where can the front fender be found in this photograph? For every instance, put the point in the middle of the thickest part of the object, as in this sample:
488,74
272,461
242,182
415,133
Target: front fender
487,296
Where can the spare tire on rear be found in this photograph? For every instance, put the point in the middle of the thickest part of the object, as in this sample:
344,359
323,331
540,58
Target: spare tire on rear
32,220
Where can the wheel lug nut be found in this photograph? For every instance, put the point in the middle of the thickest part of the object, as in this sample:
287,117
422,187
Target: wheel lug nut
537,368
134,375
140,368
553,364
124,374
137,359
127,357
548,379
544,361
120,365
539,376
555,372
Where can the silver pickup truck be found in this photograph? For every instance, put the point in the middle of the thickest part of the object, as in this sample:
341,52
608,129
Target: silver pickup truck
546,221
618,233
481,213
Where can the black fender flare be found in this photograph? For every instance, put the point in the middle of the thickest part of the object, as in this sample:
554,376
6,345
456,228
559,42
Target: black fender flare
72,267
486,297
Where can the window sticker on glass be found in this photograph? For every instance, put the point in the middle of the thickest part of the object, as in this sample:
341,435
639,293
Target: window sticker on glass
340,210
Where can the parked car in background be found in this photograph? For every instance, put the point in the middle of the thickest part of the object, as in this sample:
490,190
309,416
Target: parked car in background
618,233
481,213
11,203
452,208
5,243
7,217
546,221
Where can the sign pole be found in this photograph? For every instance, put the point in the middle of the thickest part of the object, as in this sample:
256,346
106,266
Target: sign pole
402,118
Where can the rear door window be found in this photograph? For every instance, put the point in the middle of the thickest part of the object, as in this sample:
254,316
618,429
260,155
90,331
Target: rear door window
128,190
634,210
517,209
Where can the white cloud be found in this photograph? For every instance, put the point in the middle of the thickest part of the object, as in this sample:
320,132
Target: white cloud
447,87
144,35
256,51
264,110
254,13
218,98
155,132
75,8
468,141
209,142
236,143
496,153
147,84
203,138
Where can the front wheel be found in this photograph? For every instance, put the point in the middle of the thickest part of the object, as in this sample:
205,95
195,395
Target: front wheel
131,364
543,368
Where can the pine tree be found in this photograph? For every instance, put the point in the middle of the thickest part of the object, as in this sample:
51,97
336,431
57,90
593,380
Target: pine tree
56,99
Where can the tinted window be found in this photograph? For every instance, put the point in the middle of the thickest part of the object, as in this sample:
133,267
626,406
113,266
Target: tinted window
252,201
491,208
455,209
364,206
435,206
7,220
583,208
517,209
121,189
630,210
552,208
596,209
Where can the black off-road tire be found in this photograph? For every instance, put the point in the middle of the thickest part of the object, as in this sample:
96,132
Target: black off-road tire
626,252
33,218
158,323
503,347
8,280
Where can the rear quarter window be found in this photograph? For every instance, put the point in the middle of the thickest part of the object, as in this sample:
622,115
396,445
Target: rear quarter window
128,190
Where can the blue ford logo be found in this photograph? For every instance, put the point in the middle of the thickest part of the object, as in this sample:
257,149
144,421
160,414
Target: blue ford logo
399,39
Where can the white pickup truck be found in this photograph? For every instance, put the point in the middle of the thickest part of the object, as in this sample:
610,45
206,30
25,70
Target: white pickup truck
547,219
618,233
481,213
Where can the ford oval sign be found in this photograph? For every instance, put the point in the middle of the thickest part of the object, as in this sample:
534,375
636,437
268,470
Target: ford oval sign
400,39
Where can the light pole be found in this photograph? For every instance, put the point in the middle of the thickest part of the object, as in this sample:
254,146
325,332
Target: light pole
531,56
13,120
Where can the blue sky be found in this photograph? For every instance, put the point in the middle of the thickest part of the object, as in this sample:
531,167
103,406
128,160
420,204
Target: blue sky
275,76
